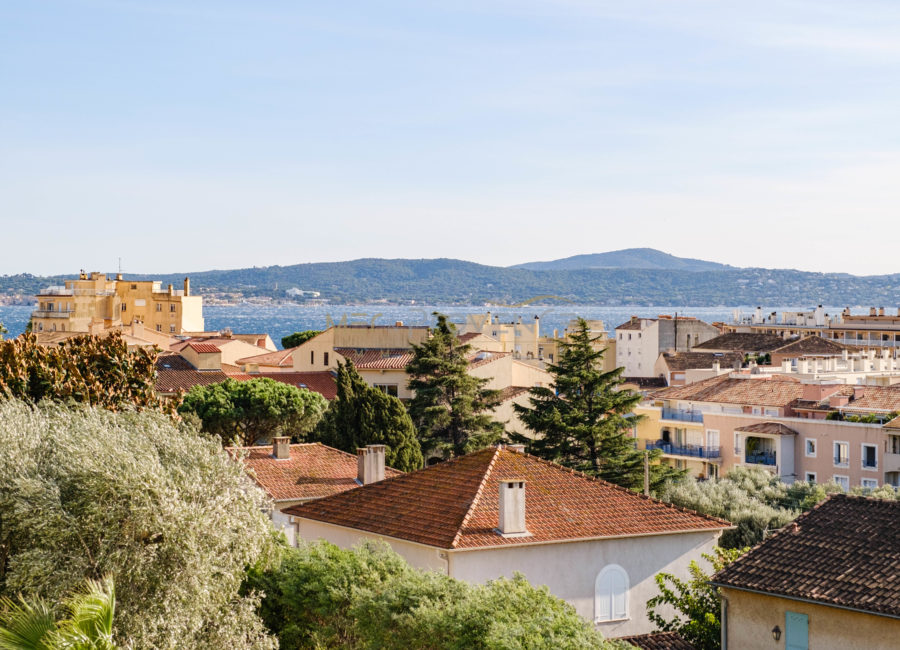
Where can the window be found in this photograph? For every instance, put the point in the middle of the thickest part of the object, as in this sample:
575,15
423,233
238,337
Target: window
390,389
869,483
159,328
869,456
841,454
134,286
172,307
629,337
843,481
312,357
40,327
124,307
810,447
159,306
810,477
172,327
611,594
325,362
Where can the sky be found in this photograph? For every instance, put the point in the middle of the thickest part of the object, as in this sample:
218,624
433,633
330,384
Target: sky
186,135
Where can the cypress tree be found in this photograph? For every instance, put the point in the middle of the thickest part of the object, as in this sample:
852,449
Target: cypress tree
451,407
584,418
361,415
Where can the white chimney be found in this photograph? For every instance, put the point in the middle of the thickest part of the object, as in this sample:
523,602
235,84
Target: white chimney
370,464
716,367
786,366
512,508
281,447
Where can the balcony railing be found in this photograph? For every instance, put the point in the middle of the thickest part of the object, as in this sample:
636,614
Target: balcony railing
55,313
682,415
692,451
760,457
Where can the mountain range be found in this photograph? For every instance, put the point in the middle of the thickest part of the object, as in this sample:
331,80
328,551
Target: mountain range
634,276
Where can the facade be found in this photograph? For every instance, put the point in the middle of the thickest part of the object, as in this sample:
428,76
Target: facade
640,341
94,302
497,511
826,581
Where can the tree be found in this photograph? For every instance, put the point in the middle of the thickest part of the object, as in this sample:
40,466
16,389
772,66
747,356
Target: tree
298,338
583,419
361,415
451,407
321,596
93,370
87,493
88,626
246,412
695,600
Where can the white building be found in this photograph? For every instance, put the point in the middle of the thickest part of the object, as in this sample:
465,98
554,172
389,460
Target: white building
640,341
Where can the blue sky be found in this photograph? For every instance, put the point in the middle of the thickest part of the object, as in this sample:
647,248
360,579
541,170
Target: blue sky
188,135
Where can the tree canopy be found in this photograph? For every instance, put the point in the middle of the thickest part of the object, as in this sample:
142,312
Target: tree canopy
321,596
584,418
361,415
451,408
298,338
159,508
246,412
93,370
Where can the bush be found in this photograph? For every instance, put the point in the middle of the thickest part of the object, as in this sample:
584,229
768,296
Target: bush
88,493
321,596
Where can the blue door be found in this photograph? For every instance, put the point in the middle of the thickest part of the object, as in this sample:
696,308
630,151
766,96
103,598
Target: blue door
796,631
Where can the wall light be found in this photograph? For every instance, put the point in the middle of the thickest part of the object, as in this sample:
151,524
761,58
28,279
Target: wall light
776,633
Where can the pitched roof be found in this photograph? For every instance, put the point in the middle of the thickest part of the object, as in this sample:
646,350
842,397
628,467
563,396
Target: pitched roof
455,504
174,373
377,358
313,471
755,390
633,324
843,552
701,360
277,358
893,424
743,342
877,398
812,345
657,641
771,428
202,348
321,381
510,392
646,382
468,336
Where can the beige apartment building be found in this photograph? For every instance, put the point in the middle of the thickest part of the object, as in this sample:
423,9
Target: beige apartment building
94,303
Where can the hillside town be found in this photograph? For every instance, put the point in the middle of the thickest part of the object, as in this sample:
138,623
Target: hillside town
754,464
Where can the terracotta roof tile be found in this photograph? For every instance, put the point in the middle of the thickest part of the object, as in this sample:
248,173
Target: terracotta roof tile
702,360
657,641
455,505
877,398
313,471
174,373
511,392
812,345
321,382
277,358
743,342
842,552
771,428
377,358
755,390
203,348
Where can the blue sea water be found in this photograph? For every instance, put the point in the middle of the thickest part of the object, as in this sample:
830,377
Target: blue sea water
283,319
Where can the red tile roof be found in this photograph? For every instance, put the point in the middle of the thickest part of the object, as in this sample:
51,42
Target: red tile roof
377,358
174,374
511,392
754,390
702,360
313,471
877,398
455,505
743,342
321,382
277,358
657,641
484,357
771,428
203,348
843,552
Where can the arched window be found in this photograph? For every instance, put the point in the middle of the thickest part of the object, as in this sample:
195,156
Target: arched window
611,594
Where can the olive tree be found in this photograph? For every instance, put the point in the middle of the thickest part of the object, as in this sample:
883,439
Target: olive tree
162,510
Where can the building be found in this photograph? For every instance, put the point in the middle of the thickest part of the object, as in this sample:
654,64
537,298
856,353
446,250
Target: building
680,368
798,430
640,341
826,581
294,474
497,511
94,302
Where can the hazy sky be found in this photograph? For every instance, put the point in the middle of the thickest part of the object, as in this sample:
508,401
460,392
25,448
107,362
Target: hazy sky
184,135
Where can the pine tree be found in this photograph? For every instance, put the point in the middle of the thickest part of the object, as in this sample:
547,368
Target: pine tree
583,420
361,415
451,407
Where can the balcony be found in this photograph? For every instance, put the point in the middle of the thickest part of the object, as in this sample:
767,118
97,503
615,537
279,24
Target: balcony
56,313
690,451
681,415
760,458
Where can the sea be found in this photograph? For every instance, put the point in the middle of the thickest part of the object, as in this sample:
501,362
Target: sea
279,320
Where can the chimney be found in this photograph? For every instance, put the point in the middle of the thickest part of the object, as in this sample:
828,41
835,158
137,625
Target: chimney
519,449
872,311
281,447
370,464
716,367
881,311
187,286
512,508
171,290
398,323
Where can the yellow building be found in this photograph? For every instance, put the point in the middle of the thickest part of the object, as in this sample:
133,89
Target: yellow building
94,303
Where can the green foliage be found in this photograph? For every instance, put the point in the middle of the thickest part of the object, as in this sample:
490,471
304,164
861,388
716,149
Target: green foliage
88,624
246,412
320,596
584,419
451,407
298,338
361,415
87,493
93,370
695,601
3,331
867,418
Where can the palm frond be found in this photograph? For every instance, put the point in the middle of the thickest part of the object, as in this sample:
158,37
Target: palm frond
25,626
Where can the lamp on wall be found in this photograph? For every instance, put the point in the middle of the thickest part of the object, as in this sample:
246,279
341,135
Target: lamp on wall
776,633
